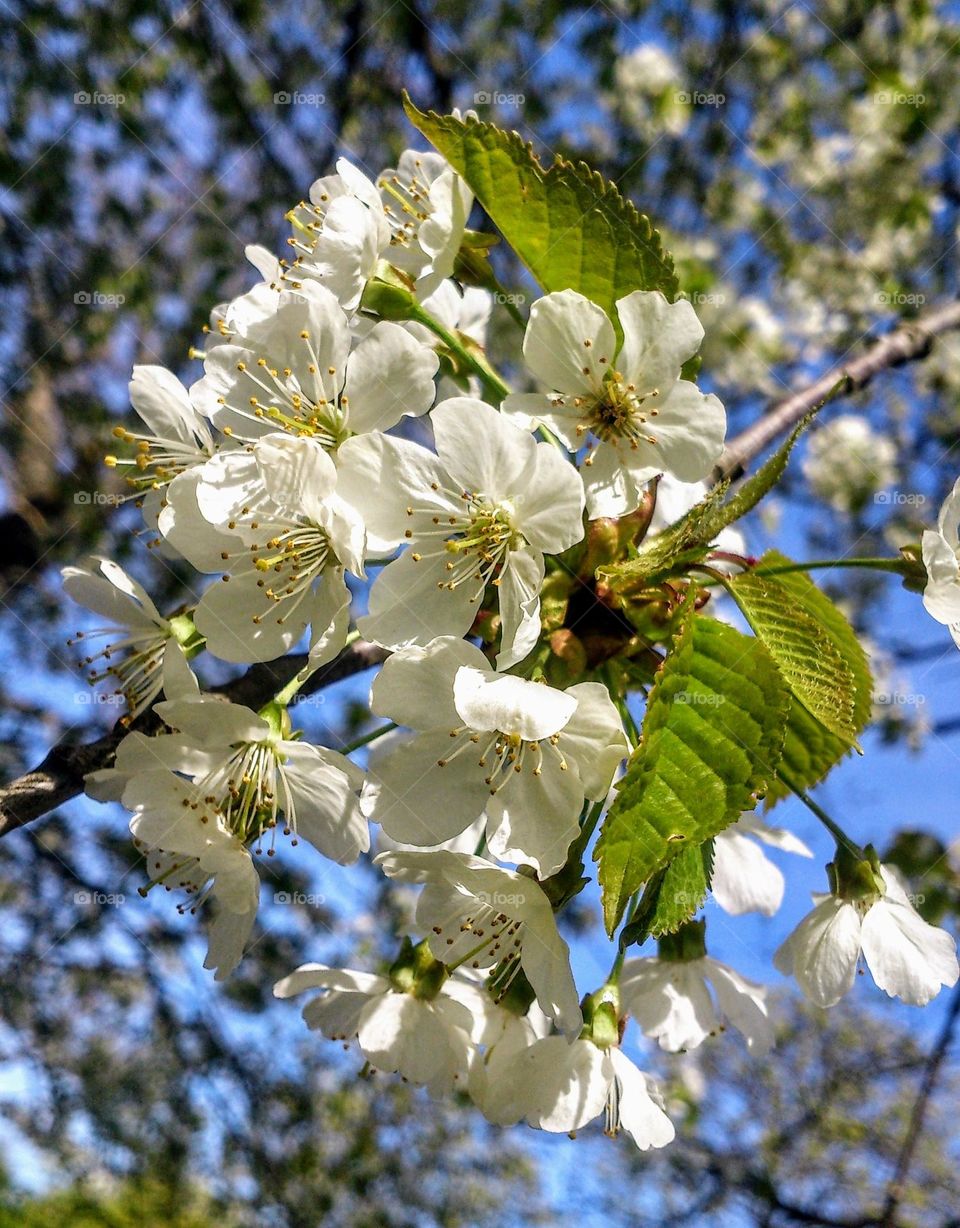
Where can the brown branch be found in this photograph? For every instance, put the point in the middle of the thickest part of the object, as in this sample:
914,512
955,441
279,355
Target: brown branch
60,776
934,1064
910,341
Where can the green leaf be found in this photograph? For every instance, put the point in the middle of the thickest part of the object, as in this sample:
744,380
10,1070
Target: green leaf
669,551
683,889
710,743
810,750
813,644
749,493
570,227
689,540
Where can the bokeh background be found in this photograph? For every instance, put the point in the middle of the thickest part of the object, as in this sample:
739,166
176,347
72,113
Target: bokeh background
802,162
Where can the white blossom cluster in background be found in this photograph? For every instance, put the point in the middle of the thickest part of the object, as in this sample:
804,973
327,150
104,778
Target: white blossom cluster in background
284,475
848,463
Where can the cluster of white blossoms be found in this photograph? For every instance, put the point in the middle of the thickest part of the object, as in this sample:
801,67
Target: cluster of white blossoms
334,473
848,462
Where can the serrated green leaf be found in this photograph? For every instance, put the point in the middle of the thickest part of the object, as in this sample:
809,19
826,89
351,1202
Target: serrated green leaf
570,227
683,889
813,644
689,540
710,744
749,493
810,751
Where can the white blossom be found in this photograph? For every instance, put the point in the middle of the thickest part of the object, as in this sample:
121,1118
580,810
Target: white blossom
260,778
526,753
144,649
426,1040
297,537
482,511
177,438
671,1001
415,220
294,370
629,408
560,1086
476,912
907,958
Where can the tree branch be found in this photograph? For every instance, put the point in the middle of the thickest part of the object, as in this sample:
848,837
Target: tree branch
938,1054
60,776
910,341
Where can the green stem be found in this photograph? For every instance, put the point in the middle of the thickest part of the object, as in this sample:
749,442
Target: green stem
286,694
367,738
831,825
613,976
892,565
589,825
479,366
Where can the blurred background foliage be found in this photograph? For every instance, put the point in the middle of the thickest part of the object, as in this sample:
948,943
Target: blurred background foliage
802,161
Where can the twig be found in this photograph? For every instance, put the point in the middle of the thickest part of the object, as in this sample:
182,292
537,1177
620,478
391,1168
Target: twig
910,341
934,1064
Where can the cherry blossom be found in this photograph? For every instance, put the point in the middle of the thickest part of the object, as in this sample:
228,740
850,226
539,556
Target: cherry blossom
481,512
629,407
523,752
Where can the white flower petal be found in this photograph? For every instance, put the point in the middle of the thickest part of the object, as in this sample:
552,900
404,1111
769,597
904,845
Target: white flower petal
389,374
744,879
415,686
641,1106
519,600
421,803
481,450
907,958
555,346
822,951
593,738
658,338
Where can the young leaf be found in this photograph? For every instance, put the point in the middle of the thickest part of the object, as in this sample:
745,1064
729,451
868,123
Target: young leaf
570,227
809,752
689,540
749,493
710,744
813,644
683,889
809,749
